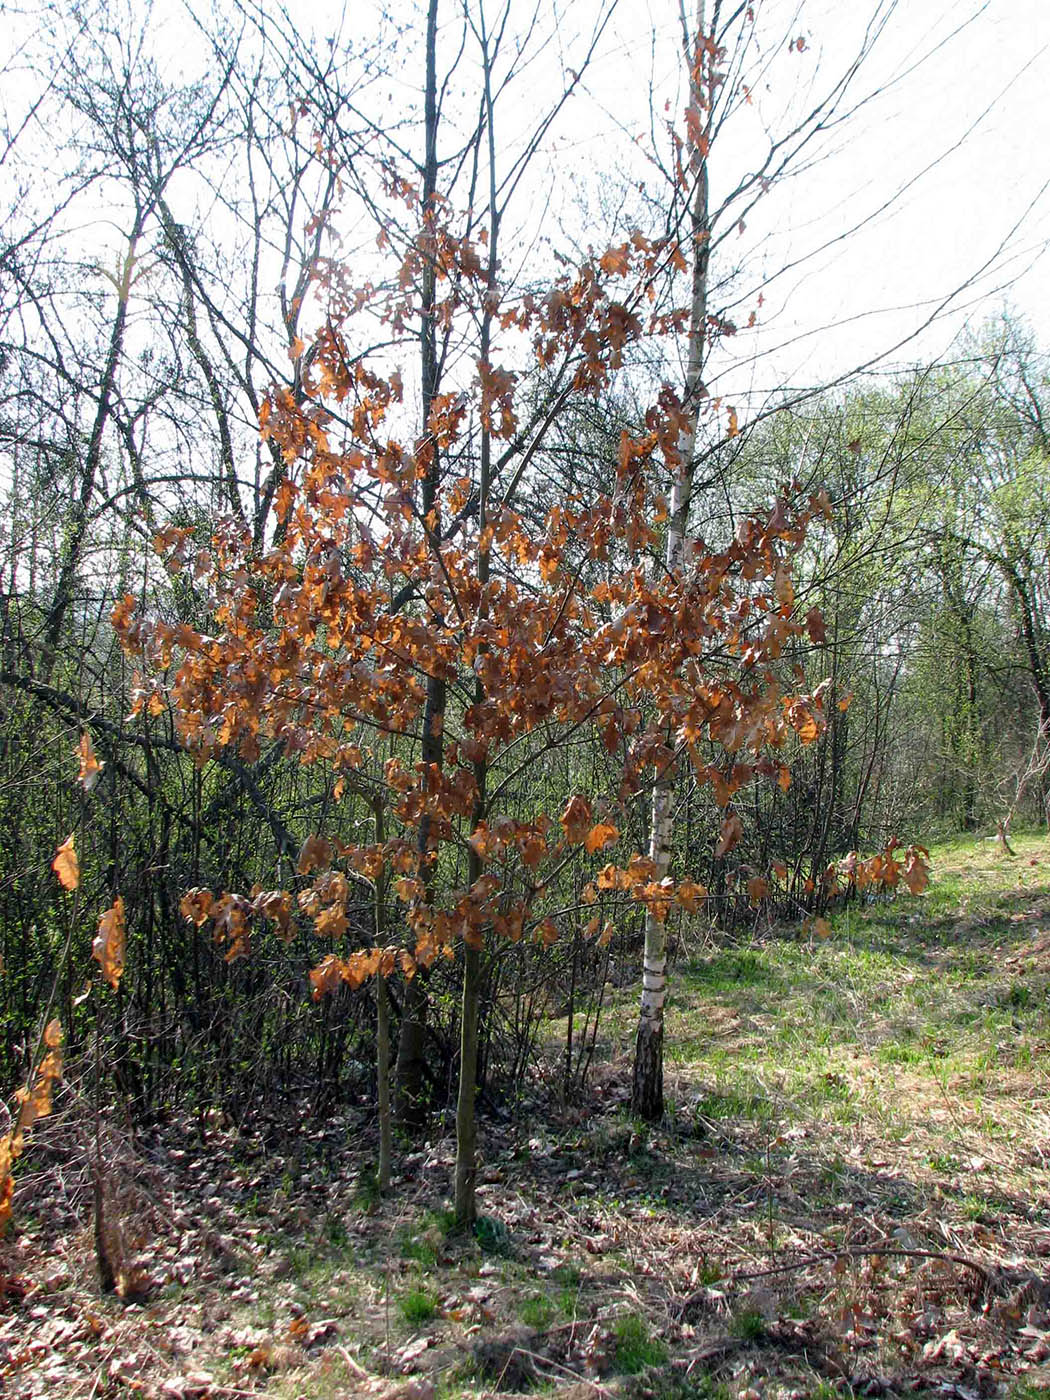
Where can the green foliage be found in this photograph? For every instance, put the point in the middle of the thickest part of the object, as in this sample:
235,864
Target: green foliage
748,1325
420,1251
668,1384
729,1102
636,1347
536,1311
493,1236
417,1306
367,1195
1025,1389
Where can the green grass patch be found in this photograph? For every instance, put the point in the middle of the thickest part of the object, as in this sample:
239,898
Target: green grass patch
747,1325
537,1311
635,1346
493,1236
417,1306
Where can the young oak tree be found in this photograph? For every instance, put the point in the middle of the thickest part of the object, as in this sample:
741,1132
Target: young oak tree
414,628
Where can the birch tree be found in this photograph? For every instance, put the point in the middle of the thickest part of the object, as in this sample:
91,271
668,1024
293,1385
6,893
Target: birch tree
719,47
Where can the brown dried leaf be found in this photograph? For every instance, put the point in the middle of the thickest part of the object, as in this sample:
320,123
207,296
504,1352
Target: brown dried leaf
66,866
600,836
689,894
196,906
757,889
90,767
316,854
108,947
732,831
576,819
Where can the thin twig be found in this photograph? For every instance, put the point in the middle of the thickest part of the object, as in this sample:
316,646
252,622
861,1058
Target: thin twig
873,1251
861,1252
566,1370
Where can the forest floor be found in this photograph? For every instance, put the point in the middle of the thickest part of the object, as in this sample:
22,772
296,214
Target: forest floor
850,1195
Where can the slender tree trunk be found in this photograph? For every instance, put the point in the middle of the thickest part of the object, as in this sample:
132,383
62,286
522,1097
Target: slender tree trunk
411,1049
386,1152
647,1094
466,1114
382,1024
466,1117
1039,668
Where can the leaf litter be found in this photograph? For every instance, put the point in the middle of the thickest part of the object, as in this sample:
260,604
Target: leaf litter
768,1251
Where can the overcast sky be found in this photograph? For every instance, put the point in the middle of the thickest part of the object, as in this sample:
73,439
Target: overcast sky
959,146
932,200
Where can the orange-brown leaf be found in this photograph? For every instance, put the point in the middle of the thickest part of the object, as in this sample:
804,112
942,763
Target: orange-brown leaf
90,767
108,947
600,836
815,627
276,905
196,906
533,849
806,726
66,866
610,877
547,933
757,889
36,1103
689,894
576,819
316,854
732,831
916,871
327,976
331,922
7,1181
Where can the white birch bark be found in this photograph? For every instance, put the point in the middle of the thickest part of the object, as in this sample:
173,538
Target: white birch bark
647,1092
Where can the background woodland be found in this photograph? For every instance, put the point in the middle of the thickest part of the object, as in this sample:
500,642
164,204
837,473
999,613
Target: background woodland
187,259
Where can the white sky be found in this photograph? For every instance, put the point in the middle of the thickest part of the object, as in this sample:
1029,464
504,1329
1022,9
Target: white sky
975,116
941,181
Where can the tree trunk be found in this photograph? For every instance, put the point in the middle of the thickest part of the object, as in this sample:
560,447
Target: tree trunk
647,1093
382,1023
383,1082
411,1049
466,1121
410,1071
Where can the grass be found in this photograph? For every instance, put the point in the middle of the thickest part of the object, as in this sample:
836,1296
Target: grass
419,1251
537,1310
417,1306
636,1348
493,1236
748,1325
883,1018
890,1083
